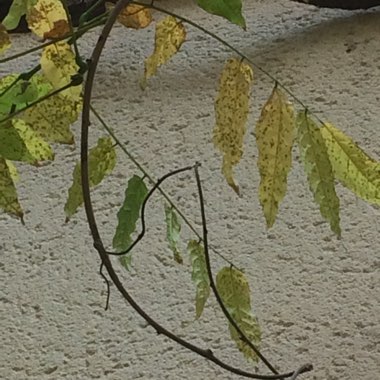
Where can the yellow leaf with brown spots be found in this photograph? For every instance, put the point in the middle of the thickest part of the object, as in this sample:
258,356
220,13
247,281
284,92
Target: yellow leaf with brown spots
170,35
8,194
274,137
231,113
133,16
58,65
5,41
48,19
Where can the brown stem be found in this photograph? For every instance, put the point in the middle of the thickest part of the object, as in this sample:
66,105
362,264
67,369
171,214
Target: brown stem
342,4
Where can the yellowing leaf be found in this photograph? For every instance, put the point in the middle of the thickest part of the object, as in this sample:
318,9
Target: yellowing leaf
5,41
13,171
231,113
173,230
133,16
274,136
170,35
318,170
58,64
199,275
47,19
8,194
233,288
101,161
351,165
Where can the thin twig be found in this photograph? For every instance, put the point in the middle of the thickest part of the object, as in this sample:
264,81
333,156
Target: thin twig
98,244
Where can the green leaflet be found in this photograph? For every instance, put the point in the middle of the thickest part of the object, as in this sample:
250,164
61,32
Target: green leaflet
19,142
199,275
101,161
16,11
318,170
173,230
233,288
127,217
274,137
351,165
8,194
229,9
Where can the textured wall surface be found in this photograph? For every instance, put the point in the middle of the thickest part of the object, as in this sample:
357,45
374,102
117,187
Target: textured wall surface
316,297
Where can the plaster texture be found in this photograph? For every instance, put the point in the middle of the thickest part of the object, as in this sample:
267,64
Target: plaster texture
316,297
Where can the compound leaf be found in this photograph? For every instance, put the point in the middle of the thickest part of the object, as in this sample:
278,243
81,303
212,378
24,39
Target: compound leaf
173,230
231,113
274,136
8,194
129,213
101,161
199,275
233,288
229,9
133,16
5,41
170,35
58,65
48,19
351,165
318,169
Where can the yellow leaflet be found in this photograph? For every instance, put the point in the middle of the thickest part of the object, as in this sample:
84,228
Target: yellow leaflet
234,290
133,16
231,113
58,65
5,41
170,35
47,19
8,194
318,170
101,161
13,171
39,149
274,136
351,165
199,275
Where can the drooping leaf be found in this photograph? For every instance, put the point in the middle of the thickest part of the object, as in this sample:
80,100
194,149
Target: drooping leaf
173,230
274,137
129,213
48,19
170,35
5,41
233,288
229,9
8,194
351,165
19,142
101,161
16,11
318,169
231,113
58,65
199,275
133,16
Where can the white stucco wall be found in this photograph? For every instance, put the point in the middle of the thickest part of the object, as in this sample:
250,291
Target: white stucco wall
316,297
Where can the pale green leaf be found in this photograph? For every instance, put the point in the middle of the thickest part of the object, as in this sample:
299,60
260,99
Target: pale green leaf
129,213
170,35
101,161
351,165
229,9
13,171
274,137
8,194
318,170
199,275
173,230
16,11
233,288
231,113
